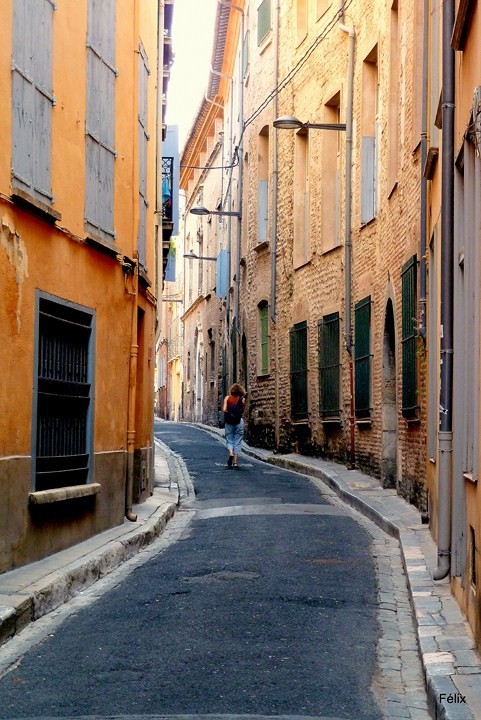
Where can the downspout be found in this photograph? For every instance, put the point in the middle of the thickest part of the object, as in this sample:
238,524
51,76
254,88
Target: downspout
348,227
240,181
445,436
424,182
275,190
158,142
134,348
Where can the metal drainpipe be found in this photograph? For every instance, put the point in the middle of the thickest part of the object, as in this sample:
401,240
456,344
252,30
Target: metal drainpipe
134,348
424,182
445,436
240,180
348,225
158,140
275,187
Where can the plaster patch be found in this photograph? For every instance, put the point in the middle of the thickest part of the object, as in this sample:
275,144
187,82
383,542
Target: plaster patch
17,256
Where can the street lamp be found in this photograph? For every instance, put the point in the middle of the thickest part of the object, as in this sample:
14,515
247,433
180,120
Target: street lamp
201,210
193,256
289,122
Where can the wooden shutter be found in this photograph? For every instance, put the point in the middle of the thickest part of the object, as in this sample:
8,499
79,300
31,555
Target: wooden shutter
262,210
362,358
32,97
100,118
264,328
368,184
263,20
329,366
144,73
409,396
298,372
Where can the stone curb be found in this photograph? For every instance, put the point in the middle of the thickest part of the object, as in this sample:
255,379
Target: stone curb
440,669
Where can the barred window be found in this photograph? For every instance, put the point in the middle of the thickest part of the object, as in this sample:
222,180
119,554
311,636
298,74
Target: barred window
63,396
298,371
362,358
409,385
329,366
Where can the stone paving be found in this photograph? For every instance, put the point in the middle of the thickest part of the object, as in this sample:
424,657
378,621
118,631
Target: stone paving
442,639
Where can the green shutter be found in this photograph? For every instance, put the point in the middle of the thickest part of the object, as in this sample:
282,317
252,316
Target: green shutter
329,366
264,322
362,358
298,347
263,20
409,331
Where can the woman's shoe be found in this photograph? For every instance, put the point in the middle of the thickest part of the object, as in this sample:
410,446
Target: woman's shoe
229,461
236,465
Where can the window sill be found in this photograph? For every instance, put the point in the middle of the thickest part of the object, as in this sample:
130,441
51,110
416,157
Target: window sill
392,190
261,246
303,263
265,42
331,421
470,478
45,497
144,279
102,245
364,423
299,423
413,421
263,376
328,250
37,207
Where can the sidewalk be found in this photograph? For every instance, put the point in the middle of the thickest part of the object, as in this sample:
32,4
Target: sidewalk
451,664
31,591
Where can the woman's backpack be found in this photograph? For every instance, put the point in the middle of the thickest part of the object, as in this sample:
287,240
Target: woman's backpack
233,414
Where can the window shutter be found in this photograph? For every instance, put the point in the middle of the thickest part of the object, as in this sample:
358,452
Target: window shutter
100,118
329,366
409,398
262,210
264,323
245,54
362,357
263,20
298,372
368,184
143,139
32,97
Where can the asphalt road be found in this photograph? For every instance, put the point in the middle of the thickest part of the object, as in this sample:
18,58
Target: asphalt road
265,606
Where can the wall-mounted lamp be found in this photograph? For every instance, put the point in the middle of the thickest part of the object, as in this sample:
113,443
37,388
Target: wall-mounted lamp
201,210
289,122
193,256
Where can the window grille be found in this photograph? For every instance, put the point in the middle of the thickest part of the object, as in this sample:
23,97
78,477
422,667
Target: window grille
329,366
409,332
298,371
362,358
63,396
263,20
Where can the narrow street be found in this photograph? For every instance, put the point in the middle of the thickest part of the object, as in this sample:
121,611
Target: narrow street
265,601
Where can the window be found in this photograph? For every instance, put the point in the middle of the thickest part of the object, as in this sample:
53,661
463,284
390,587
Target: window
301,18
409,333
263,186
394,93
369,137
263,20
331,178
329,366
472,555
301,199
63,394
32,98
144,73
362,358
245,54
298,371
100,119
264,338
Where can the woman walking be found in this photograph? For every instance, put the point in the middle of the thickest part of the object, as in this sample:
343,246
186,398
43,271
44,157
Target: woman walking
234,405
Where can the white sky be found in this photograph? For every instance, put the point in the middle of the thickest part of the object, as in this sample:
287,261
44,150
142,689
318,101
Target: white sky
192,41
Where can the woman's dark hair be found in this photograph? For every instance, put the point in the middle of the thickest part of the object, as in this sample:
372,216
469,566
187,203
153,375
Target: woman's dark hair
237,389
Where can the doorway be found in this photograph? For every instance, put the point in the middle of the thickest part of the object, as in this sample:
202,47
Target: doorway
389,405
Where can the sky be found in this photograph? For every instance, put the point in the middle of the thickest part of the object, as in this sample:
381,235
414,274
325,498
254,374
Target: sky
192,41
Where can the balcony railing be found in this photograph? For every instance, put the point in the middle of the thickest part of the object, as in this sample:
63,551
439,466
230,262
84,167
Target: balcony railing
167,184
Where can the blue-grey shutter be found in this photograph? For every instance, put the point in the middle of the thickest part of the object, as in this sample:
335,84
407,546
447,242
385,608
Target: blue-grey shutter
222,274
143,138
100,118
32,97
298,371
368,184
262,210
